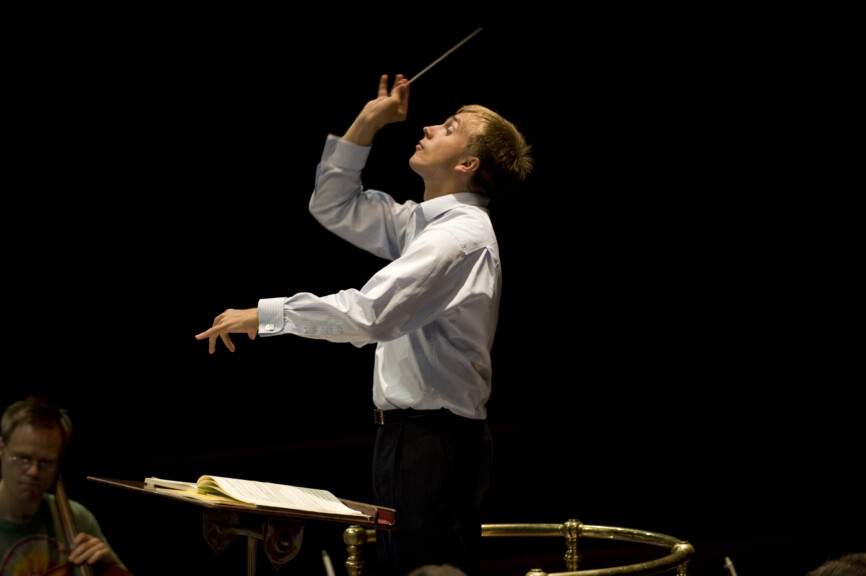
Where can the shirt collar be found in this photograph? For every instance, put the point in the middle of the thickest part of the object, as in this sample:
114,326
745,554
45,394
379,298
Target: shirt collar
438,206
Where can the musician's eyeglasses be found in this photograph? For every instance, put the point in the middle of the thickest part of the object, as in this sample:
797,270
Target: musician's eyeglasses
25,462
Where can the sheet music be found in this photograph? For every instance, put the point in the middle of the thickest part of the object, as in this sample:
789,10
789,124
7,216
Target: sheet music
279,495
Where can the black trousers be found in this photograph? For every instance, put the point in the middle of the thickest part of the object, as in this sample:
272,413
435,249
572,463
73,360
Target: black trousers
434,470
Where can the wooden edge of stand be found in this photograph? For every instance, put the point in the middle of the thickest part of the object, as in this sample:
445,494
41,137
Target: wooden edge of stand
376,516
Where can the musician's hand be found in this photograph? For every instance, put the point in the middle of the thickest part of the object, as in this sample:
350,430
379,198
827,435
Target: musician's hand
231,321
90,550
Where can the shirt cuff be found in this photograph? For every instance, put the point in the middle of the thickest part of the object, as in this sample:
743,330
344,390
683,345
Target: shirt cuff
345,154
271,316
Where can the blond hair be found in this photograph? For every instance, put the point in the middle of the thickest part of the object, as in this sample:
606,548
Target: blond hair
504,156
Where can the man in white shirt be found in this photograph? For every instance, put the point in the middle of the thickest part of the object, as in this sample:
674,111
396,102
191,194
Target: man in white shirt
431,312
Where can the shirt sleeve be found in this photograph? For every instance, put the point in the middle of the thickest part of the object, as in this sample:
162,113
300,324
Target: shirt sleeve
403,296
369,219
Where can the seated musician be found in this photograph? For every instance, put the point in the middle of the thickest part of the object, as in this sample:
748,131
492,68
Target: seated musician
34,435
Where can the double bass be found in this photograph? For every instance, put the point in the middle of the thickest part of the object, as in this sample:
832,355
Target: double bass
62,499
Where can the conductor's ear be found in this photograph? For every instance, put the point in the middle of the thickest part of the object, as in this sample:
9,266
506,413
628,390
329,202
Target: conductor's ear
469,164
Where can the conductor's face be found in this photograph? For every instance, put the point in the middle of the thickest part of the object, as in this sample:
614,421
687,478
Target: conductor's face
443,147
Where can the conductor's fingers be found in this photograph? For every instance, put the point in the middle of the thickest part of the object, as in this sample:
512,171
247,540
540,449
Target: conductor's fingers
227,340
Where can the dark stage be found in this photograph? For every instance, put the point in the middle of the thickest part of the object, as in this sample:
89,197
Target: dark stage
659,363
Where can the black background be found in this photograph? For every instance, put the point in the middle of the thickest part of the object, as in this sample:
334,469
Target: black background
669,355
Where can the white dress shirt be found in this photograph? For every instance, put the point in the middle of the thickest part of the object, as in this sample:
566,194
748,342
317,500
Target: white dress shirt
432,311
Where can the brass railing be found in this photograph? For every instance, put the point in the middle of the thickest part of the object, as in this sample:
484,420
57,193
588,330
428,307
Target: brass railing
680,551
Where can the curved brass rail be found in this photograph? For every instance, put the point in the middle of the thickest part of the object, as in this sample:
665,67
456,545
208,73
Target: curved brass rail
572,530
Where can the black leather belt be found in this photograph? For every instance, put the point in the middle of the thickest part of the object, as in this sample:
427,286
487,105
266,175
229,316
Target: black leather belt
387,416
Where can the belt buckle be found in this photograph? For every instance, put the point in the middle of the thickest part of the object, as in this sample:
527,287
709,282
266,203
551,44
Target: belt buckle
378,416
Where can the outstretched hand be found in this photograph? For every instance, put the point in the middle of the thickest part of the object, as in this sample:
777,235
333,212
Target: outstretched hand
231,322
386,108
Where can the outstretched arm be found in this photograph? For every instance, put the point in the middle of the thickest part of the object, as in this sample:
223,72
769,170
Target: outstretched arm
386,108
382,110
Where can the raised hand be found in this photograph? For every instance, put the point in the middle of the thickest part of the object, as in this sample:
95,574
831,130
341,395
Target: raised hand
386,108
